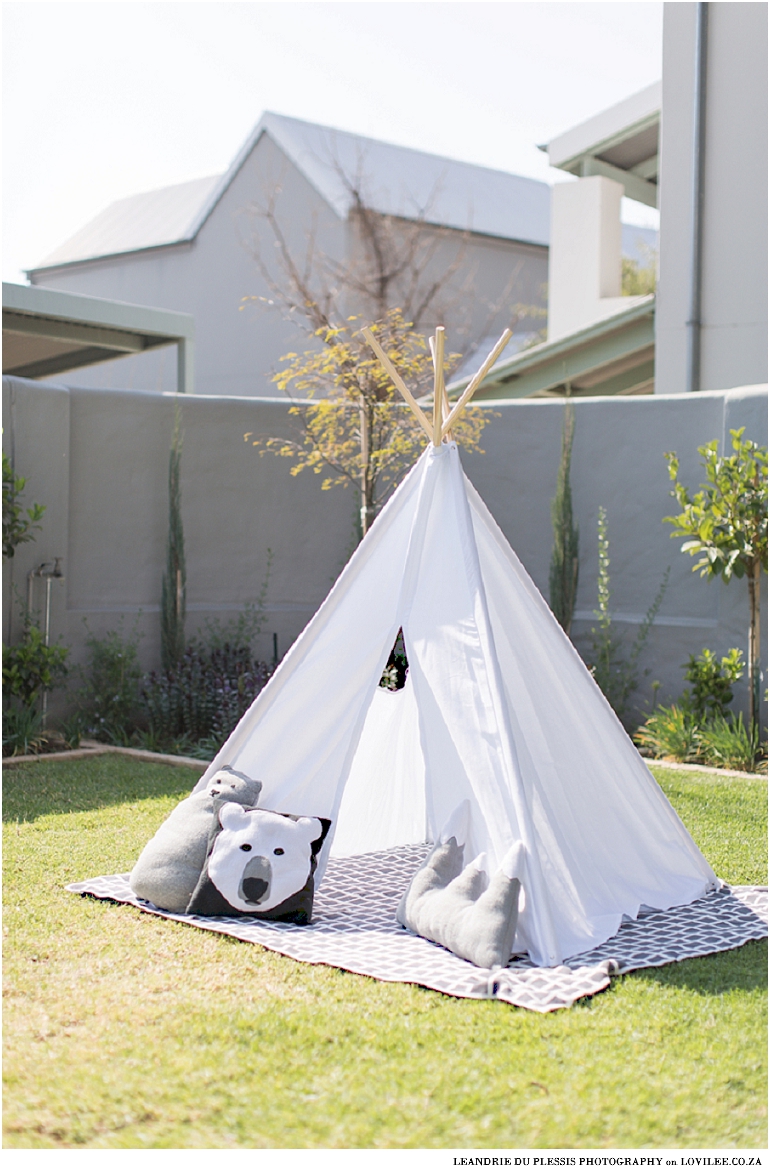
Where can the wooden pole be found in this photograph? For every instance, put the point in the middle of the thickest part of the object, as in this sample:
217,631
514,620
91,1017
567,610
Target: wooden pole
476,381
438,385
399,382
446,406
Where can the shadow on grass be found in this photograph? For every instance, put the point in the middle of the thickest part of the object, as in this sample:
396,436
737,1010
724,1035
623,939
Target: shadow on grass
65,787
742,968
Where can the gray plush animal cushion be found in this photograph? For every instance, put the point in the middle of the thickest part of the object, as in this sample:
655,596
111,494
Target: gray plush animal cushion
169,867
461,908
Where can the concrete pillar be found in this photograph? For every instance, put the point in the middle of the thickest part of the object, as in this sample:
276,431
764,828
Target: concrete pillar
731,315
584,265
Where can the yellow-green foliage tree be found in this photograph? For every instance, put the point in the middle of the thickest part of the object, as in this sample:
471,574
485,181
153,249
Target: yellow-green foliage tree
354,426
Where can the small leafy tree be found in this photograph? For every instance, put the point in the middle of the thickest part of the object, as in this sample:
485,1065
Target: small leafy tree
563,577
19,524
173,604
32,667
726,527
358,431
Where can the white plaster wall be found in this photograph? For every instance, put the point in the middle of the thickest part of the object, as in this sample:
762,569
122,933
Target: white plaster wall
98,460
734,290
584,264
473,285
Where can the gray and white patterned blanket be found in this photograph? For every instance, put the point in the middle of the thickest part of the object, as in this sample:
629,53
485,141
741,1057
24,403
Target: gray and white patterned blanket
354,928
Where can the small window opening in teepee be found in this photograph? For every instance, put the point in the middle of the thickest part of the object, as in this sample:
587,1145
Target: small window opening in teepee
397,667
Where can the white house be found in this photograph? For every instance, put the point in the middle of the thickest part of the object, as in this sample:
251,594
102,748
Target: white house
192,247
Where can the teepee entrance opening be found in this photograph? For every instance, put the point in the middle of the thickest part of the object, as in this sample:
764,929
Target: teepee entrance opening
397,668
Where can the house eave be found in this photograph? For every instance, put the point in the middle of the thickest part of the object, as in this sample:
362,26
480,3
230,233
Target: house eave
106,257
604,343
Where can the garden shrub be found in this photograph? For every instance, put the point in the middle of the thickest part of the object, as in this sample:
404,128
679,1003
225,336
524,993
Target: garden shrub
726,528
203,697
22,731
727,742
673,733
110,703
191,706
712,681
699,728
670,733
242,629
31,668
563,574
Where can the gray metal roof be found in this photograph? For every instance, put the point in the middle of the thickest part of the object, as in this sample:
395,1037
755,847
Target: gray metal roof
395,181
148,220
399,181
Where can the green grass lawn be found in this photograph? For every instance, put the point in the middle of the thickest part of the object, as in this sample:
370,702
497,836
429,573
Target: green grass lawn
127,1031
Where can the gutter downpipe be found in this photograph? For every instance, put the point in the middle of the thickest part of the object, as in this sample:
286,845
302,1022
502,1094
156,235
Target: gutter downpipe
693,325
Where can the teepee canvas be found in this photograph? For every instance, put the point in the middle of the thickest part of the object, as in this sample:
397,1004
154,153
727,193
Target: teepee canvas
498,709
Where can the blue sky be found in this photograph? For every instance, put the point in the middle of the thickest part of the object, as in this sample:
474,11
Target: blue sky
105,99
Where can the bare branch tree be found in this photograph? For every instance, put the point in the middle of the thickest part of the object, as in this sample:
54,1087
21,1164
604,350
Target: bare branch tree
398,274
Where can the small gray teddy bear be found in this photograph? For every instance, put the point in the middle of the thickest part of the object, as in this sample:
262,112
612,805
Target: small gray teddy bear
169,867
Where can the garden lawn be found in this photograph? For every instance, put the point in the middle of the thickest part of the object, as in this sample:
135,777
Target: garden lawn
123,1030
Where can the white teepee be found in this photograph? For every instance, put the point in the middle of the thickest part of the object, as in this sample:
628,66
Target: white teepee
498,709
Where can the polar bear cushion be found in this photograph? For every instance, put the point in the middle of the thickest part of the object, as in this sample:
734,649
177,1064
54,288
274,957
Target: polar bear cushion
461,908
260,864
170,866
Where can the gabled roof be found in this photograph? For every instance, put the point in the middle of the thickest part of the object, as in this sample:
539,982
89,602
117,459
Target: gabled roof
395,181
399,181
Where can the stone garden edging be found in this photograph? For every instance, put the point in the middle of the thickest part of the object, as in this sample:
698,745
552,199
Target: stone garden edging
93,750
100,750
686,767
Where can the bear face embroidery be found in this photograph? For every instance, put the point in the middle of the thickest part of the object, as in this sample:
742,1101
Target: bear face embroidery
259,859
